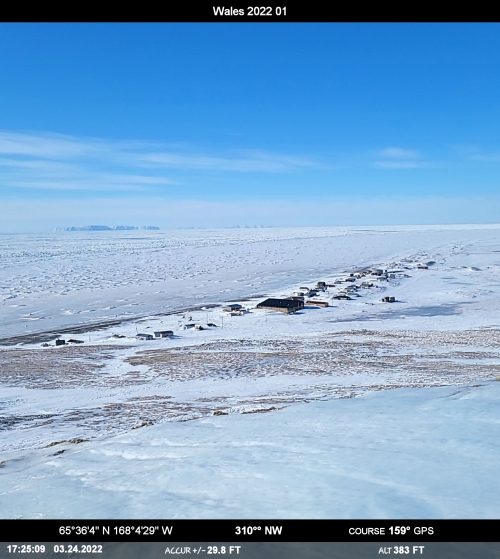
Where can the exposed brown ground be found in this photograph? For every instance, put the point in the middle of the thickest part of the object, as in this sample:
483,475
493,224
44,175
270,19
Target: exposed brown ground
327,364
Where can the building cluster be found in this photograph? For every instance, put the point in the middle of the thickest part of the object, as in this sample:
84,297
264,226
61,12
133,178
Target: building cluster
347,289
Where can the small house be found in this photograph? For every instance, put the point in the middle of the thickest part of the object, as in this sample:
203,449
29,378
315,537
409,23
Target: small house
164,334
302,291
73,341
317,303
60,342
341,297
388,299
287,306
212,325
232,307
144,337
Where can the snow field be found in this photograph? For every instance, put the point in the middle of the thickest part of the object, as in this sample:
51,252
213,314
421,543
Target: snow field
285,407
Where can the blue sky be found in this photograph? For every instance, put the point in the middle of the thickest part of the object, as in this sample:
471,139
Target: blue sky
221,124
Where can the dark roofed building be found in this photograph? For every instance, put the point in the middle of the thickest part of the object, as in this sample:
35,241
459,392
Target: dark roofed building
288,306
164,334
144,337
232,307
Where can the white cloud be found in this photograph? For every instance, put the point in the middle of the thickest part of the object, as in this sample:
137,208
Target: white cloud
50,146
399,158
251,163
398,153
59,162
398,164
494,157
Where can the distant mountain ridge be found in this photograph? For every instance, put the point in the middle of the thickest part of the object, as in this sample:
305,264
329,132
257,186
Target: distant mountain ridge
107,228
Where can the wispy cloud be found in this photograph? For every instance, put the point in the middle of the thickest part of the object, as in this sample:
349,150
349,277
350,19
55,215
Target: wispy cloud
243,161
58,162
476,153
494,157
50,146
399,153
399,158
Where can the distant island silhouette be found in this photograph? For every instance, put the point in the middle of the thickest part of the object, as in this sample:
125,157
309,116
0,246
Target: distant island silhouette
107,228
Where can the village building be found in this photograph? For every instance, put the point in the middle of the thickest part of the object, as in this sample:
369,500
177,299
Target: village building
302,291
317,303
232,307
342,297
144,337
287,306
164,334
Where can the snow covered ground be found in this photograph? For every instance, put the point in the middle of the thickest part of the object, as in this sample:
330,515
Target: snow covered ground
419,453
324,413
